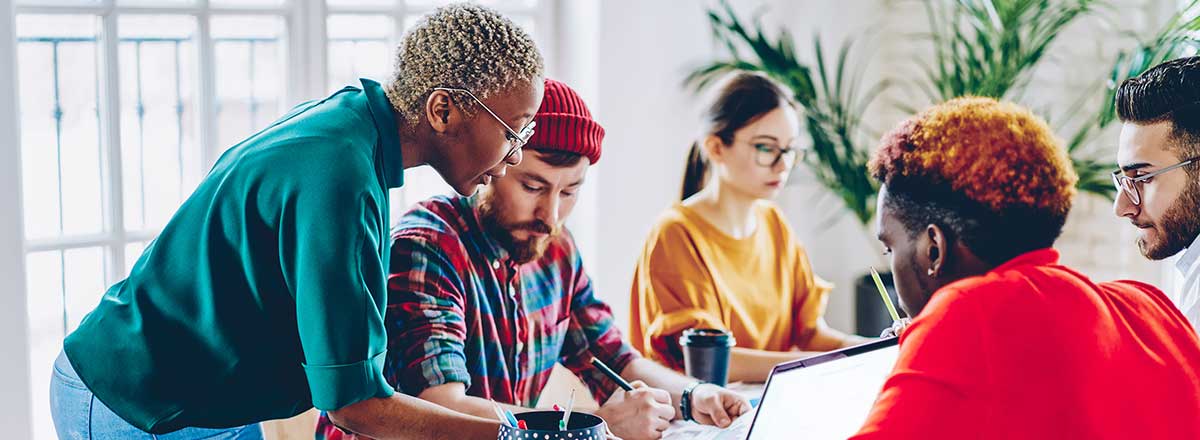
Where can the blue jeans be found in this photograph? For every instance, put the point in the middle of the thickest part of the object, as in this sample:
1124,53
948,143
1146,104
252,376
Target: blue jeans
78,415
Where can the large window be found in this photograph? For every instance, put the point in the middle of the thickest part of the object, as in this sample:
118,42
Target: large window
125,104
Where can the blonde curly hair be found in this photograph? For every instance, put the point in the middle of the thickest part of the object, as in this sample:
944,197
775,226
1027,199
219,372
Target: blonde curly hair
463,46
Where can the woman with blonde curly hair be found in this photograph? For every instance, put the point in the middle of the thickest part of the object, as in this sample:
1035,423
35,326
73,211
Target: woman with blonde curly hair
1006,341
264,294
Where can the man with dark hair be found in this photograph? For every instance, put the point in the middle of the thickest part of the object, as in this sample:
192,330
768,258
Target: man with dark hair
1158,183
487,293
1006,342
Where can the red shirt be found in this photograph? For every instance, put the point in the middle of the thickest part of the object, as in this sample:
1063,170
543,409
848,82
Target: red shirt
1035,350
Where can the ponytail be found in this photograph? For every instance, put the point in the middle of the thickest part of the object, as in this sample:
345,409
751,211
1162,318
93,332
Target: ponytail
739,101
696,173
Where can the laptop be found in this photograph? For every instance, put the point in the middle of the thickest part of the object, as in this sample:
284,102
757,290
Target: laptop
827,396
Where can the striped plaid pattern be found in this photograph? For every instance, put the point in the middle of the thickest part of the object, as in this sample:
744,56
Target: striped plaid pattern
460,311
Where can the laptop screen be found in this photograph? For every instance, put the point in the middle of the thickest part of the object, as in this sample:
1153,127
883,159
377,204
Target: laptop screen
824,397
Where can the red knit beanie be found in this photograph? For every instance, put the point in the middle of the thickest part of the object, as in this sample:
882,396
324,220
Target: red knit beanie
564,123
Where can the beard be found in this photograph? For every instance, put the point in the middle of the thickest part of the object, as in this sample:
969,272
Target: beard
1179,225
491,216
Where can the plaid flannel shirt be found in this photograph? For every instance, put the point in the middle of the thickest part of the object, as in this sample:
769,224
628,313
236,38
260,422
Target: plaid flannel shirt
460,311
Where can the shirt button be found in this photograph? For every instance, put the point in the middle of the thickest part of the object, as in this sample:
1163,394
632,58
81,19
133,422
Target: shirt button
495,265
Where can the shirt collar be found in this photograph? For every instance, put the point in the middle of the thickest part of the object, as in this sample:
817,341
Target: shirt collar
495,252
1040,257
1190,255
389,137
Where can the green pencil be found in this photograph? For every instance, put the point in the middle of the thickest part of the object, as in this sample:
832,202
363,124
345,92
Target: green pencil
887,300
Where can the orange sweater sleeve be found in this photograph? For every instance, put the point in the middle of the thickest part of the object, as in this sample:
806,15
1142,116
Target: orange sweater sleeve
672,291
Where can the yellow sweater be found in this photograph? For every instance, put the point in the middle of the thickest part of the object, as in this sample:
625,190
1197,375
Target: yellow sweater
693,275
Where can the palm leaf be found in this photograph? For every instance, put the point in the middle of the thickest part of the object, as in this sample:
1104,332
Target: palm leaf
991,48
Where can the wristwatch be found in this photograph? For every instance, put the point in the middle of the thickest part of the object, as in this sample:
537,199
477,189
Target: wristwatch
685,402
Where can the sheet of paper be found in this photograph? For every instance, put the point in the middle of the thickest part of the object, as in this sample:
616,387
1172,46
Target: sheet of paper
695,431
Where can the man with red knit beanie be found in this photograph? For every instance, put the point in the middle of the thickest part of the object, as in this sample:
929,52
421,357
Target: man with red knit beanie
487,293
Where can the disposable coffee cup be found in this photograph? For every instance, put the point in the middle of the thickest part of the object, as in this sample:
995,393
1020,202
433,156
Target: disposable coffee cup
706,354
543,425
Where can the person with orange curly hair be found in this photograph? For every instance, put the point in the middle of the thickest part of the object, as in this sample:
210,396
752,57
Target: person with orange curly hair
1006,341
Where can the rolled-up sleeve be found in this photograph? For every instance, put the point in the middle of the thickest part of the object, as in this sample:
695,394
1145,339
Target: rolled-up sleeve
425,319
332,261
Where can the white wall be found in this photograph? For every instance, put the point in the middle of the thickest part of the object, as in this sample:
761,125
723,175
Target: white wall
577,66
644,49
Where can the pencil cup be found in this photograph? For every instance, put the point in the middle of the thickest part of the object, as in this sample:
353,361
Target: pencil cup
543,425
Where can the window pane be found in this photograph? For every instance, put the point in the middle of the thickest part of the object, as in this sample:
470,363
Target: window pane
246,3
58,2
422,183
506,4
249,55
83,274
133,251
353,3
45,308
524,21
60,142
359,46
158,115
397,204
156,2
56,295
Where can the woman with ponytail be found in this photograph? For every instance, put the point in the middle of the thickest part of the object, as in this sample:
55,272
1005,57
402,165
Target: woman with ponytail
725,257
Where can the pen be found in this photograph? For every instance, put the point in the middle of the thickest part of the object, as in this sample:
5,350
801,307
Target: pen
612,374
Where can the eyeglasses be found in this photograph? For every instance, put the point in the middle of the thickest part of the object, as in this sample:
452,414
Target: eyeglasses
1131,186
768,155
518,139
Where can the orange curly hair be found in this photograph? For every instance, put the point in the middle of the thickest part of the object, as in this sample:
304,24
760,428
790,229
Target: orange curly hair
996,154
